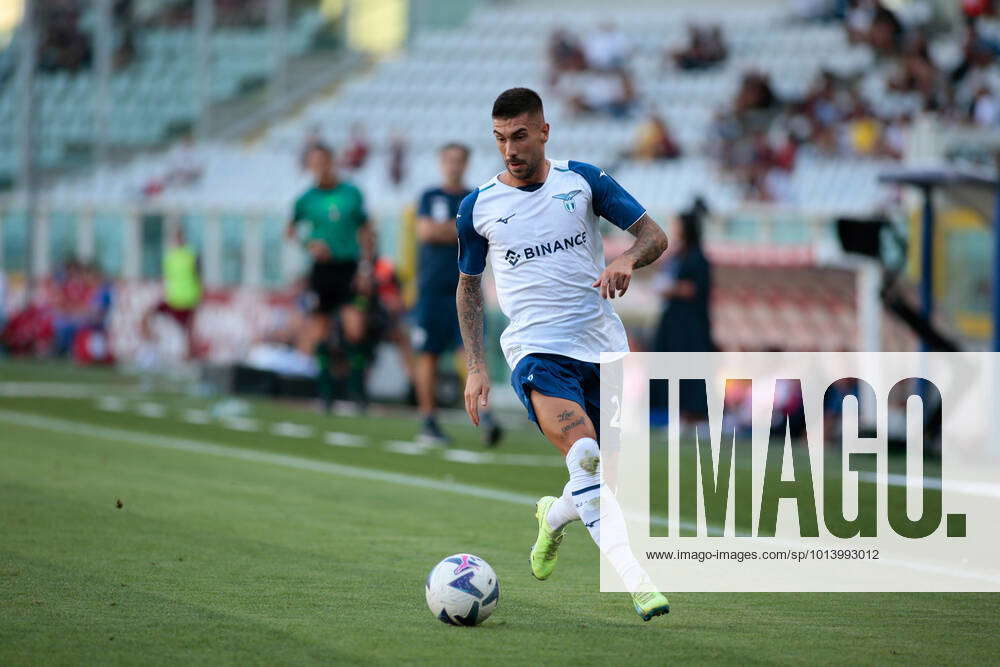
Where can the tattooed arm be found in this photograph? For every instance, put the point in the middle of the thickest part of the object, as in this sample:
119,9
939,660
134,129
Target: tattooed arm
469,300
650,243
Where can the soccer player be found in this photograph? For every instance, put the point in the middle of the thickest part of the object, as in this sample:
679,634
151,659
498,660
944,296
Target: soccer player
436,328
537,223
330,219
181,291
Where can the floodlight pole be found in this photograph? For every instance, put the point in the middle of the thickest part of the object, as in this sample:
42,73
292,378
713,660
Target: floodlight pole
927,258
996,275
204,20
104,45
24,86
277,23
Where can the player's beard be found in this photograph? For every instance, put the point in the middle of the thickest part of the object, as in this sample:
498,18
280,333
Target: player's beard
530,170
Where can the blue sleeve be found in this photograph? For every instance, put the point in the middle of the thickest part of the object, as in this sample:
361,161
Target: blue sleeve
471,246
424,205
611,201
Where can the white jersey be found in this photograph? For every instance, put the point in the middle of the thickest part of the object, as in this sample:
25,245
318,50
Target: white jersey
546,251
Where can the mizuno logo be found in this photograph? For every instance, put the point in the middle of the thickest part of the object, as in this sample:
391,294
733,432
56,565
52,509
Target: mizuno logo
507,219
591,524
567,199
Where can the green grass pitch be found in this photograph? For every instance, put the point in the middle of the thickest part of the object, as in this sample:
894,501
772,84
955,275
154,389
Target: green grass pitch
248,547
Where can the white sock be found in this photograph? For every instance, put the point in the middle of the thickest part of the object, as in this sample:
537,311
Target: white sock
584,488
562,511
583,462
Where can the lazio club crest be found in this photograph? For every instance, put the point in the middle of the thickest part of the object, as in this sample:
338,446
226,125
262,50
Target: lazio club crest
567,199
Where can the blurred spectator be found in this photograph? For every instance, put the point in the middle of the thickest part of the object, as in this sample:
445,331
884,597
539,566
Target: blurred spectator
985,108
977,8
388,318
814,10
357,149
122,16
90,343
833,406
73,299
241,12
778,164
62,45
312,139
863,132
565,55
870,22
607,48
685,284
886,32
70,319
29,331
978,53
705,48
654,141
858,19
757,139
788,413
184,167
894,134
611,93
102,295
916,73
181,291
825,106
740,135
755,94
397,159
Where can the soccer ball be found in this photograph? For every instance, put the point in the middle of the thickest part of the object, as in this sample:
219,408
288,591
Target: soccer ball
462,590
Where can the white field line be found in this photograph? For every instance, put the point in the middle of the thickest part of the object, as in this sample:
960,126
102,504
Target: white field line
484,458
968,488
408,447
240,424
281,428
111,404
196,417
154,410
52,389
298,463
292,430
338,439
142,439
466,456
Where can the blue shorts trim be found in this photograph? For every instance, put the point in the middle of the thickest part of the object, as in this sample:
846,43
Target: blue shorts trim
560,377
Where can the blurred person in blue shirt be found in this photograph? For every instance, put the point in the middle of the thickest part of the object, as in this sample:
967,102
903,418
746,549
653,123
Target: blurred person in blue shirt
685,284
435,318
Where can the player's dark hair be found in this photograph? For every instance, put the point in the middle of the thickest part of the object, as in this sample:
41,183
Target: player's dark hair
454,145
321,147
691,229
515,101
